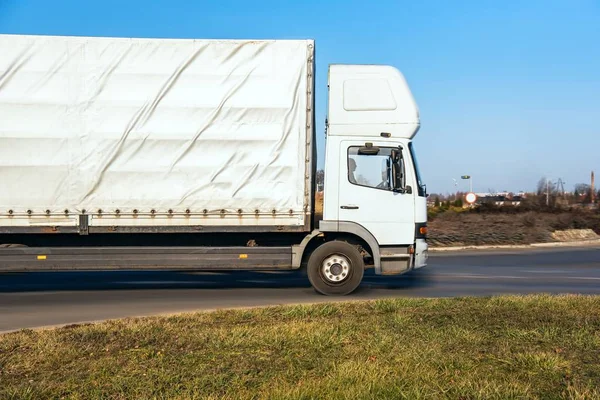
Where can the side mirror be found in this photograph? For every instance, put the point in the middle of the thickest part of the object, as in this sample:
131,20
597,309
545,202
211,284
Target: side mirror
397,180
405,190
398,173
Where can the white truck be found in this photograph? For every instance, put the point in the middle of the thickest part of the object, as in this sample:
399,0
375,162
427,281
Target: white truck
131,153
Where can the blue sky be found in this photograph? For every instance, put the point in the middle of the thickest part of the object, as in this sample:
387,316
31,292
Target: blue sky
508,91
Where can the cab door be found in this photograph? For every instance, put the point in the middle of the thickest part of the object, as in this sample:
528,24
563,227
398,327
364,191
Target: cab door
366,191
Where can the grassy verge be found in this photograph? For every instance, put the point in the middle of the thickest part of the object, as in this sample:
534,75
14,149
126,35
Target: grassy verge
505,347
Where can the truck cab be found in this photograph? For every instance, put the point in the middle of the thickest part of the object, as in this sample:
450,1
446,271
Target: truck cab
373,187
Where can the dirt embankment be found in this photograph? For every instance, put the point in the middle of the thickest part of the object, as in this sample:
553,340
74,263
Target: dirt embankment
453,228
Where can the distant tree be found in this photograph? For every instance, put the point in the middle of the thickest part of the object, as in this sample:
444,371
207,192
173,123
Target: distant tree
320,179
583,193
320,176
546,192
543,185
458,202
582,188
437,201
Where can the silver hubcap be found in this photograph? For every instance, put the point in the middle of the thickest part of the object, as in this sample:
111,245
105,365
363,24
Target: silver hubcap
335,268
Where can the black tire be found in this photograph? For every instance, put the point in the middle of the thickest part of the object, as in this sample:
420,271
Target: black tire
349,256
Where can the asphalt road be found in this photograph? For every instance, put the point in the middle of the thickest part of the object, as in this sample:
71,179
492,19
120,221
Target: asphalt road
31,300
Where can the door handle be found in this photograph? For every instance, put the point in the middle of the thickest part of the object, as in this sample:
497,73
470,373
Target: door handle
349,207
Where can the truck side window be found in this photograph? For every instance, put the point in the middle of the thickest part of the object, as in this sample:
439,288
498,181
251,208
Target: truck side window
373,171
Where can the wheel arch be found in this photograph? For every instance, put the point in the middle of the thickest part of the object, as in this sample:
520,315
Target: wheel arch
334,230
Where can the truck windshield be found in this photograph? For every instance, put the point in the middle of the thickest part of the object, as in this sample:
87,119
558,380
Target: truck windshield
422,188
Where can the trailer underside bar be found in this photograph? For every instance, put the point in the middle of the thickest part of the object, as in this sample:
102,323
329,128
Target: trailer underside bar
87,229
19,259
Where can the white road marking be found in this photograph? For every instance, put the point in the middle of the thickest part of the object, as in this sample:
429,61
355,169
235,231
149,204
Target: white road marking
586,278
475,276
546,271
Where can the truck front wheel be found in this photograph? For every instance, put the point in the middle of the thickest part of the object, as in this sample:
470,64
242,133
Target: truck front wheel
335,268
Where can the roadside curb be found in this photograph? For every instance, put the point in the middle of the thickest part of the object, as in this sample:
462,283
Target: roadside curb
581,243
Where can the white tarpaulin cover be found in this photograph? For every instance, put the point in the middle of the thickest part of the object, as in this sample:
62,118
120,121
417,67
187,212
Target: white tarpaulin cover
103,123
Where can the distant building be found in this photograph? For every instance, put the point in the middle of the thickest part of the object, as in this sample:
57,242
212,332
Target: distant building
500,199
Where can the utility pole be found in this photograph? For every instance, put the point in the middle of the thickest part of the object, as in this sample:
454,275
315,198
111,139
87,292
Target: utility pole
470,182
455,188
592,190
547,192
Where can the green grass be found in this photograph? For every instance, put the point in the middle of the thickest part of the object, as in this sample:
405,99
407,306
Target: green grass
495,348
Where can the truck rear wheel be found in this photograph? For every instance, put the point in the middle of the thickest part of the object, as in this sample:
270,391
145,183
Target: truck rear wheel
335,268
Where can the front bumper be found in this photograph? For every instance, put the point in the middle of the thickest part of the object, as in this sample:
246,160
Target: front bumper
421,253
